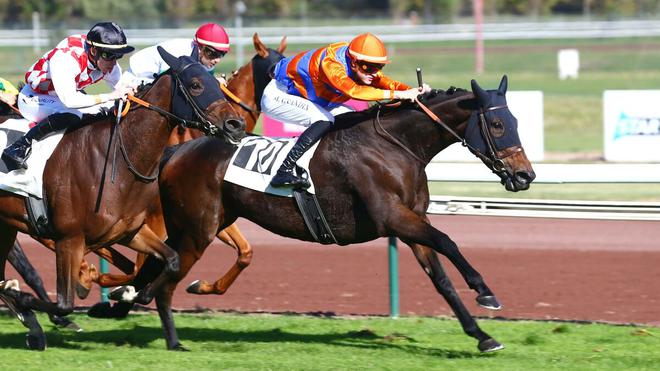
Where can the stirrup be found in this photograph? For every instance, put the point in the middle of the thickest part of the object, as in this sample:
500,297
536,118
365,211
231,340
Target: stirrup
287,179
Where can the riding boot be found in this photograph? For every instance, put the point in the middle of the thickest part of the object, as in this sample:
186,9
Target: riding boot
285,176
19,151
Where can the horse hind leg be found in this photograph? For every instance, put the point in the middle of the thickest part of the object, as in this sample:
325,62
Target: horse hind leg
233,237
432,266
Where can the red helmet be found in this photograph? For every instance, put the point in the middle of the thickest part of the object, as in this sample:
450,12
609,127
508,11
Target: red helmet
368,48
212,35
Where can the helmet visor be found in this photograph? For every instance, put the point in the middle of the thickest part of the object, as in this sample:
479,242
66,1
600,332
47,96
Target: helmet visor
211,53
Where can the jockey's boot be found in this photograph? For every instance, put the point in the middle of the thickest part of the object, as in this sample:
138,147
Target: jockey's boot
19,151
285,176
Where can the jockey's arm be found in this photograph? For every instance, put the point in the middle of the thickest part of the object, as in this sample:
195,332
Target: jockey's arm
64,83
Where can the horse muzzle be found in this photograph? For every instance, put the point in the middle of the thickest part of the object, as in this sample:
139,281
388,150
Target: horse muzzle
519,181
234,129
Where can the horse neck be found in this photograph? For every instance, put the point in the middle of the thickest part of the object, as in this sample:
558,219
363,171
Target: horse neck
242,85
145,132
423,136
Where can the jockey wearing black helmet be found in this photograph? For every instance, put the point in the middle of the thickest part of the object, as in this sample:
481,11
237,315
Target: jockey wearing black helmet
53,97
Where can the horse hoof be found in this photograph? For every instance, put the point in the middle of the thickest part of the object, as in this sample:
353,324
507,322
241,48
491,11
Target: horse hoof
82,291
106,310
179,348
65,323
122,293
490,345
489,302
36,342
194,287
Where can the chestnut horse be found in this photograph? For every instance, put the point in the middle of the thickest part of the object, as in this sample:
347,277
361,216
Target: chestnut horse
370,180
71,186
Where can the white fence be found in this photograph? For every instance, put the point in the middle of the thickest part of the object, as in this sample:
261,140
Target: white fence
389,33
553,174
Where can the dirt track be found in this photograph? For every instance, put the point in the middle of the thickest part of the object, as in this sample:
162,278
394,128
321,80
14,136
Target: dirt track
538,268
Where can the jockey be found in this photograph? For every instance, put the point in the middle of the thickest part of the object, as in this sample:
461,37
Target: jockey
309,89
53,97
209,45
8,92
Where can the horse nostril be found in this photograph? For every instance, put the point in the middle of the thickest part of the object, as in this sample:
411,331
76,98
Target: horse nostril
235,124
525,177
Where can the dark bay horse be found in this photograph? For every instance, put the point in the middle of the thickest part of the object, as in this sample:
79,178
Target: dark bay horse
369,174
187,93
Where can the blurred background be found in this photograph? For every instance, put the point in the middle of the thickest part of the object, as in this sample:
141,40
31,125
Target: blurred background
567,52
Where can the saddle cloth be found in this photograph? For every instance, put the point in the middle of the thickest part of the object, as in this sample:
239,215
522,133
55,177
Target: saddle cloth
257,159
25,182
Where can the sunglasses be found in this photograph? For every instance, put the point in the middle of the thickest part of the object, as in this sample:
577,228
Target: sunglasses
370,68
211,53
109,56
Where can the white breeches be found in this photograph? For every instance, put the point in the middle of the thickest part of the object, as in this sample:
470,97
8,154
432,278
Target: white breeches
36,107
292,109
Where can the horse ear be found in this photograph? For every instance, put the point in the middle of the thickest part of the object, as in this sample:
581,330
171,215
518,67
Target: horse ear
259,46
503,84
478,92
282,46
171,60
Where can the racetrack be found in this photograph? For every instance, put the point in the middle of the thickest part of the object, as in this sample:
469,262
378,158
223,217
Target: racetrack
538,268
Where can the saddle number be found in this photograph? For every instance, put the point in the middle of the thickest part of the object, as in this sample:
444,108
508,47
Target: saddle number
259,155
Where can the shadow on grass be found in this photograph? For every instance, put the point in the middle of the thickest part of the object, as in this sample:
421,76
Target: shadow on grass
228,341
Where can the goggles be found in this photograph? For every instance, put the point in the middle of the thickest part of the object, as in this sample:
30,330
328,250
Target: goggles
109,56
369,68
211,53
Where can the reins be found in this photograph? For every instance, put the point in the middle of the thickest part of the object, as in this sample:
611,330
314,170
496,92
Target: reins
496,162
254,113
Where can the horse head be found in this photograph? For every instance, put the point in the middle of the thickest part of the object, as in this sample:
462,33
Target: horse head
262,65
196,96
492,135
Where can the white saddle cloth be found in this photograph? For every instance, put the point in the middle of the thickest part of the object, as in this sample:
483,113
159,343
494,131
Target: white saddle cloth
28,181
257,159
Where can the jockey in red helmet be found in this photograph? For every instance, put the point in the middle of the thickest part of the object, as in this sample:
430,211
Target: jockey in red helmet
309,89
52,95
209,45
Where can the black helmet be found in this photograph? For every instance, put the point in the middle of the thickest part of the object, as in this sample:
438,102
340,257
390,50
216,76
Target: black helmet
109,37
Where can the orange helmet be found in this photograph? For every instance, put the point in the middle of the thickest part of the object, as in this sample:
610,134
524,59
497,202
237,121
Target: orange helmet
368,48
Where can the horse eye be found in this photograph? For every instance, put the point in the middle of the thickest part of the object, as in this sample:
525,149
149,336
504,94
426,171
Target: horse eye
497,127
196,87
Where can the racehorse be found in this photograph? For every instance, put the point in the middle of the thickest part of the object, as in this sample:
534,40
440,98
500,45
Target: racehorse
185,94
370,180
245,87
244,90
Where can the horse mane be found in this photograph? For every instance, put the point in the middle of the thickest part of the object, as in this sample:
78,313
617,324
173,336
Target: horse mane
435,96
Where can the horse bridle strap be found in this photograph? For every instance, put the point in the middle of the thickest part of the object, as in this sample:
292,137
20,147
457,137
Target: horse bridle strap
496,162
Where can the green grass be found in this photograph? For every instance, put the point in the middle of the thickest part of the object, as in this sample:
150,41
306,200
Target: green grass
275,342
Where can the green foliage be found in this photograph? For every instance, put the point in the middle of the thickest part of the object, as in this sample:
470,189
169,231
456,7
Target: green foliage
275,342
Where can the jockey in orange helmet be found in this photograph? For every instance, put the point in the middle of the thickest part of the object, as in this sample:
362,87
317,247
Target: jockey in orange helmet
309,89
209,45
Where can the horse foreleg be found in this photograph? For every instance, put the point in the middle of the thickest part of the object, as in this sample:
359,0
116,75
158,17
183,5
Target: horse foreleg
233,237
428,259
20,262
146,241
412,227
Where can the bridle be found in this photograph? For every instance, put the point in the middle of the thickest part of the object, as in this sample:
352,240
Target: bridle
492,159
203,124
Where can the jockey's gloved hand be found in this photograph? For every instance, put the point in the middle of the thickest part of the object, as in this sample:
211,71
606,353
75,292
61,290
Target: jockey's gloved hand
121,92
410,94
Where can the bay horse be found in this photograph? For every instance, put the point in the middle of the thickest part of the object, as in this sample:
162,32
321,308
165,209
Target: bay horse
370,180
184,94
245,88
